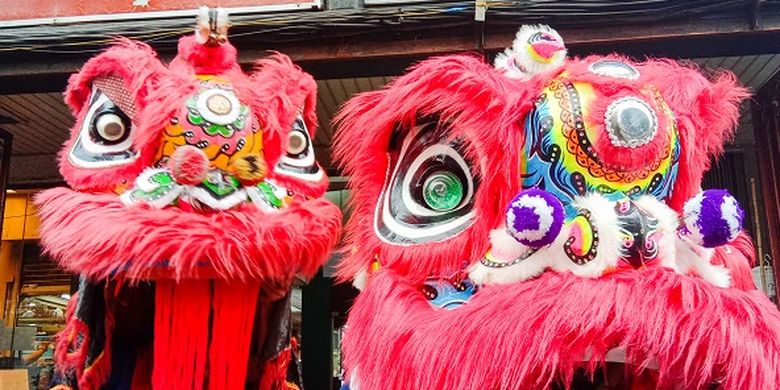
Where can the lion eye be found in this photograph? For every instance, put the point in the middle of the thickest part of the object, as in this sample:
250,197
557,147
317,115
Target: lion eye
297,143
110,128
105,136
430,188
298,160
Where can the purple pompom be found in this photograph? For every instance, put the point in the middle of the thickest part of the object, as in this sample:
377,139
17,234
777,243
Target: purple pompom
534,218
713,218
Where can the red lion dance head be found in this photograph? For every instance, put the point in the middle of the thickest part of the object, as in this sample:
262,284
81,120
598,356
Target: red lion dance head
525,227
194,202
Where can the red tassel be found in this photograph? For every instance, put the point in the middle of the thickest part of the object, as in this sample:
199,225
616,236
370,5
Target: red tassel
234,313
181,334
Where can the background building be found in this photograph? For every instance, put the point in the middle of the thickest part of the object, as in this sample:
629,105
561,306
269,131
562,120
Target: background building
352,46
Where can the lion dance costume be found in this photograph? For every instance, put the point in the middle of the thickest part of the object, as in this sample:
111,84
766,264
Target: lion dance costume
527,227
194,202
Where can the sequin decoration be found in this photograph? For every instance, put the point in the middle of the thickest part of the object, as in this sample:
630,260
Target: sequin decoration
448,293
640,235
491,262
559,156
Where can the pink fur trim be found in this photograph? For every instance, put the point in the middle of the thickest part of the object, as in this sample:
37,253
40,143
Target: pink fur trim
98,236
707,112
286,90
528,334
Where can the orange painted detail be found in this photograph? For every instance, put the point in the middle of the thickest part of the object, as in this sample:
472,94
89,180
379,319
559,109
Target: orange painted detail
224,145
38,9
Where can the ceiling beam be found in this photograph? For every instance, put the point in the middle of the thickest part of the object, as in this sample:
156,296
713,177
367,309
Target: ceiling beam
375,55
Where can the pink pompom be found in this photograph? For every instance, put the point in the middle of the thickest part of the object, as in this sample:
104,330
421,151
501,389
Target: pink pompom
189,165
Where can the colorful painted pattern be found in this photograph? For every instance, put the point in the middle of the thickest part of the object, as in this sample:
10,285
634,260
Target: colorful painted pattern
559,156
583,239
196,125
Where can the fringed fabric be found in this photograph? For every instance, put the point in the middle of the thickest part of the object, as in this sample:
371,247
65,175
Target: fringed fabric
231,331
181,334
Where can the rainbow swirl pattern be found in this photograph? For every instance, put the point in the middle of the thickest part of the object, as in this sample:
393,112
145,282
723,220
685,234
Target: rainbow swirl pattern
559,156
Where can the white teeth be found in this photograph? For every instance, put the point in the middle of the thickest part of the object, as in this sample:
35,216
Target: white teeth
268,196
157,188
225,203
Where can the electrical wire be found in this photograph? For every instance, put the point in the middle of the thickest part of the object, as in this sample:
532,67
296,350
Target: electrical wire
300,26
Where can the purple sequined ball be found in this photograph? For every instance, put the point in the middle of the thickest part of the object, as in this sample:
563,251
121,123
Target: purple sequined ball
534,217
713,218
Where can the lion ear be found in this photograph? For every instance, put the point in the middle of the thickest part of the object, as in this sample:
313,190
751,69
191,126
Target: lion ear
707,112
287,98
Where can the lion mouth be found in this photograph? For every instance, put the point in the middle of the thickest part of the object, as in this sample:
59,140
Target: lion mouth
157,188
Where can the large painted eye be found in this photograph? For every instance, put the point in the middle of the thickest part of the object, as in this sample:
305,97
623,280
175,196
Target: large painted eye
298,161
111,128
429,194
105,137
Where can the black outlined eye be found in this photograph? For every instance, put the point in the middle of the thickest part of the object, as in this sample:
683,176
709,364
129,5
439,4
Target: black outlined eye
111,128
105,137
430,188
298,160
297,143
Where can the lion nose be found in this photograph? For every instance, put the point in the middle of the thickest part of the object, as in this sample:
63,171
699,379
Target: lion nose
630,122
188,165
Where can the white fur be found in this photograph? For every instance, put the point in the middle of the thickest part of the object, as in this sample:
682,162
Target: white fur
693,258
554,257
504,249
675,253
504,246
728,211
518,54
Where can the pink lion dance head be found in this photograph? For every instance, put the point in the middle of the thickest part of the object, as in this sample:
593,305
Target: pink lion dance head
194,201
522,232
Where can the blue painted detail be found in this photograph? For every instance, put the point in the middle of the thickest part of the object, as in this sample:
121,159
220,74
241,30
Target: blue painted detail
448,294
546,165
